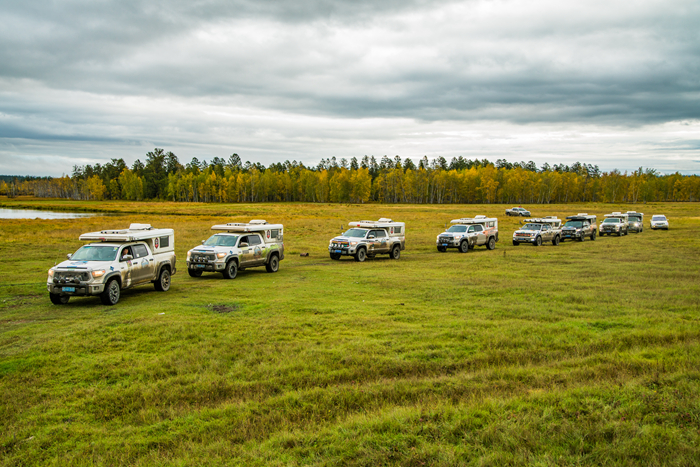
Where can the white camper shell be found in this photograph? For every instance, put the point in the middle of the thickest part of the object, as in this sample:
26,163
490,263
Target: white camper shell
270,232
467,232
116,260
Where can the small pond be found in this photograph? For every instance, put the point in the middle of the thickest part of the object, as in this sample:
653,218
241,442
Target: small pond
36,214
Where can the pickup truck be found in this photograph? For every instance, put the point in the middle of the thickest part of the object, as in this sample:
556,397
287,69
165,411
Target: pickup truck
518,212
538,231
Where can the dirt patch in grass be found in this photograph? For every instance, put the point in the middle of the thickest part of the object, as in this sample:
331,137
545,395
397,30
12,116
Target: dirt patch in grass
223,308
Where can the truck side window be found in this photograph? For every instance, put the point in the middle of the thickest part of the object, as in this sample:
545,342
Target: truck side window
254,240
478,228
380,233
139,251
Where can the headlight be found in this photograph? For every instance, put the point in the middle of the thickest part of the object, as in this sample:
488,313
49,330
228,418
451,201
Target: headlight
98,273
188,254
353,243
220,255
51,272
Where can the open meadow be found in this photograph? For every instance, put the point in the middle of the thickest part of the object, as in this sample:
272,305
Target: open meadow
580,354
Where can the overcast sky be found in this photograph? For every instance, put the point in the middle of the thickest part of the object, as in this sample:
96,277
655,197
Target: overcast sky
610,83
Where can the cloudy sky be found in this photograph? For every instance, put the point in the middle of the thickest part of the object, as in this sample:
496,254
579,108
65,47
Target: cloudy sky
611,83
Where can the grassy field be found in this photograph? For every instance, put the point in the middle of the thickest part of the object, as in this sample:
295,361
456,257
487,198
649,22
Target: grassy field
580,354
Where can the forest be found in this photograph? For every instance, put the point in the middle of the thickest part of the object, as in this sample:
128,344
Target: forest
388,180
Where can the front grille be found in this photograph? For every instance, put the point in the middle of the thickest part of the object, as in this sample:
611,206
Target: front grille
70,276
340,245
202,258
522,235
445,239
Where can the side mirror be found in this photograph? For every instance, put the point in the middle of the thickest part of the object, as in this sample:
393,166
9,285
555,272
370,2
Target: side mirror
203,242
243,245
69,255
127,258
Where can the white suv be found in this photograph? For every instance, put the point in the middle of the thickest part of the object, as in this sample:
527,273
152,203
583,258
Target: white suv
658,221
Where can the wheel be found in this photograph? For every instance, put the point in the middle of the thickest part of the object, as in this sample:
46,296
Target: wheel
538,241
231,270
194,273
442,249
555,241
491,245
163,282
111,294
58,299
335,256
593,236
395,252
627,232
464,247
273,265
516,243
582,237
360,255
619,233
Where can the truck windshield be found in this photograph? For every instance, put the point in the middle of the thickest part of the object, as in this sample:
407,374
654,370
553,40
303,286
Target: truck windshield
95,253
658,218
576,224
457,228
356,233
532,227
635,218
221,240
611,220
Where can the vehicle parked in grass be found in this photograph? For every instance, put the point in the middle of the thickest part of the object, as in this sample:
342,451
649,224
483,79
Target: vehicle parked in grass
636,221
468,232
658,221
579,227
117,260
614,223
238,246
518,212
536,231
367,239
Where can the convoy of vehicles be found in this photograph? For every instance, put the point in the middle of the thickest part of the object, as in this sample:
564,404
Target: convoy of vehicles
636,221
539,230
518,212
614,223
121,259
579,227
366,239
116,260
658,221
466,233
238,246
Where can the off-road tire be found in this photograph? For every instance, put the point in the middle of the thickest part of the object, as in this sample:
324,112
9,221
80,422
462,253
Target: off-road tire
538,241
515,243
361,255
555,240
619,233
162,284
395,252
442,249
593,236
194,272
111,294
231,270
335,256
582,238
58,299
464,247
491,244
273,265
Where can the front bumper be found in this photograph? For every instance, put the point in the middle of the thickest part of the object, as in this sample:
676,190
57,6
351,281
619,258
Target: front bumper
206,266
75,288
524,239
346,251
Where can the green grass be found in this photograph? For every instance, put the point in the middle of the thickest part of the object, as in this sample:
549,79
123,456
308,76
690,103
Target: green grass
581,354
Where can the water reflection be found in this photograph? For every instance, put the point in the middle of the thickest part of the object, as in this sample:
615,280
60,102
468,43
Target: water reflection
35,214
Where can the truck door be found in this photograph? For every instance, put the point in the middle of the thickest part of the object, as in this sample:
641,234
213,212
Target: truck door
481,236
381,241
257,245
143,263
245,258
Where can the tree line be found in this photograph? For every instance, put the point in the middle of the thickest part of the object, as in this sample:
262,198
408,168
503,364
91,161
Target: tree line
388,180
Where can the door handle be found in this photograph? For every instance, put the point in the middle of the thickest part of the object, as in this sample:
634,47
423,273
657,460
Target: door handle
150,259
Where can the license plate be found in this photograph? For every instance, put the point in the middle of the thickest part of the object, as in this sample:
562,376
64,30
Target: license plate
69,289
338,251
200,265
444,244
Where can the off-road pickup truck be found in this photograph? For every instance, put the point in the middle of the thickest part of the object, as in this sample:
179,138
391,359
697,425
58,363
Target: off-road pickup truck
539,230
518,212
579,227
468,232
366,239
636,221
120,260
614,223
239,246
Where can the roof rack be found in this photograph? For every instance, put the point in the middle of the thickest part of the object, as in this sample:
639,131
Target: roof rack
382,222
255,225
544,220
480,219
135,232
